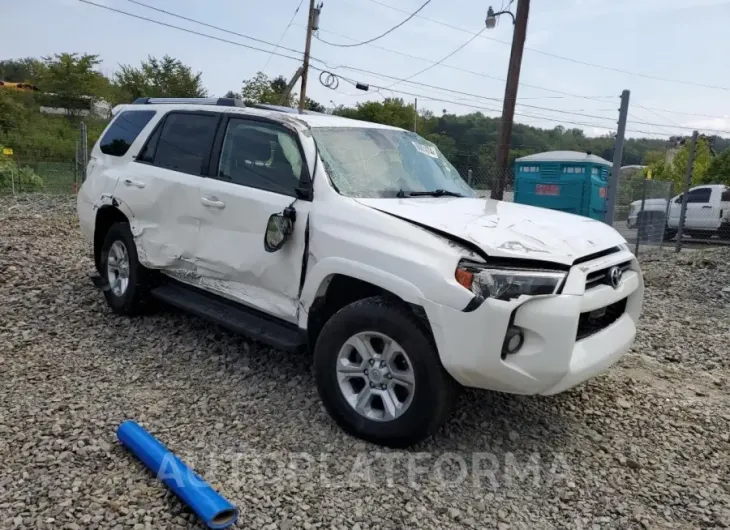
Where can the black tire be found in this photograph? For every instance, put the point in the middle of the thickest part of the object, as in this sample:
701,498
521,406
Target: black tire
724,231
669,234
132,300
434,392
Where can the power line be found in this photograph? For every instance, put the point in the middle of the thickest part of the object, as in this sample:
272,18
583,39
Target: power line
561,57
220,39
410,56
284,33
488,109
440,60
409,17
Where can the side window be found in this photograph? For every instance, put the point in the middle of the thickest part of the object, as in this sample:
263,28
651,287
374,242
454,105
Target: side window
124,131
699,195
260,155
725,196
185,142
147,153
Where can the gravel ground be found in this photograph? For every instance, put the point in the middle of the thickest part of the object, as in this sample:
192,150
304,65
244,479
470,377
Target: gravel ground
644,446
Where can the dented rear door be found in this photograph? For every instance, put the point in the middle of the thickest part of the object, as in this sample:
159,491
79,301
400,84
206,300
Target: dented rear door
163,189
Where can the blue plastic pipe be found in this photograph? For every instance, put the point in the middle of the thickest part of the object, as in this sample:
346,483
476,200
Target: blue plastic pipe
212,508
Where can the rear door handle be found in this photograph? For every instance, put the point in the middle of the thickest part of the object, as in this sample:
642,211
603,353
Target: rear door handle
212,202
136,183
707,206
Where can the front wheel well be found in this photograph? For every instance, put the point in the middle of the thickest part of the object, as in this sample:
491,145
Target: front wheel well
105,218
341,290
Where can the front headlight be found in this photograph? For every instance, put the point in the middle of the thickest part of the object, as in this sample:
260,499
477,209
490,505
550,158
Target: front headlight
507,283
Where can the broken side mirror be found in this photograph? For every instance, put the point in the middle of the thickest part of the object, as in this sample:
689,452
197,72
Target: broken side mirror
278,230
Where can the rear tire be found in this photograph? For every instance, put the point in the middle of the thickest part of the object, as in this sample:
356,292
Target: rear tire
724,232
363,360
127,279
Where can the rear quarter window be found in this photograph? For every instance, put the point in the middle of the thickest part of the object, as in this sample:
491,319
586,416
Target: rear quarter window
725,196
123,131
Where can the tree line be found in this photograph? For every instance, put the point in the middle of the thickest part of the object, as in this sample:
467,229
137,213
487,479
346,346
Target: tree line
74,82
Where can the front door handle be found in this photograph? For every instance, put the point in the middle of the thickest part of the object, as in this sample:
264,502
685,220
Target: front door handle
212,202
136,183
707,206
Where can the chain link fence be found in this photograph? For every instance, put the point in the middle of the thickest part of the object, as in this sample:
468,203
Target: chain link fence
37,172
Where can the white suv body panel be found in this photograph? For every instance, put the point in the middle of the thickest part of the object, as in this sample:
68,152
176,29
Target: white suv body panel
409,247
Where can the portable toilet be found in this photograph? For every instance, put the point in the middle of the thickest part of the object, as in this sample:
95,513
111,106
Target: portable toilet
569,181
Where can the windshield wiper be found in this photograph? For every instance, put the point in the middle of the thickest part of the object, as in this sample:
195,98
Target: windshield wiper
432,193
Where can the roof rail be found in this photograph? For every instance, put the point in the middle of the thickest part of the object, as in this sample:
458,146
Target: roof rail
220,102
281,108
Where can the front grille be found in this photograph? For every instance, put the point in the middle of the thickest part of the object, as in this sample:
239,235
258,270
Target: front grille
594,321
600,277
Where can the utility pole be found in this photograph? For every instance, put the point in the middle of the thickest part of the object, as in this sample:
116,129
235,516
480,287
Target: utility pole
510,96
312,24
618,153
415,115
685,195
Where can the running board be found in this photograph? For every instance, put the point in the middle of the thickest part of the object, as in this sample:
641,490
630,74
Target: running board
232,316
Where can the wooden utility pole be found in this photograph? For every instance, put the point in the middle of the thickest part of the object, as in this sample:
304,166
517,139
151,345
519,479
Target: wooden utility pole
415,115
510,97
307,47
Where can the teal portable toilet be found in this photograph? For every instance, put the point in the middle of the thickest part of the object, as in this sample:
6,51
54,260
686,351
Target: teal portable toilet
569,181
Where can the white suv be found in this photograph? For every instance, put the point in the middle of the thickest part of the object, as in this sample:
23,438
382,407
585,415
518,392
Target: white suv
361,243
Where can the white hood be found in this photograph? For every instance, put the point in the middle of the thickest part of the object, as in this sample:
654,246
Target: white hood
504,229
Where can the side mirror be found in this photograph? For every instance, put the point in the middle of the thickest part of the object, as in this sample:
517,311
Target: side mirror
278,230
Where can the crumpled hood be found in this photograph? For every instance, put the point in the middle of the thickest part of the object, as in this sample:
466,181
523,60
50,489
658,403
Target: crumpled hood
504,229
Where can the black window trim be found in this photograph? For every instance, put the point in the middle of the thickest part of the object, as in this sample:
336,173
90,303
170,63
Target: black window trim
695,192
113,123
205,166
304,192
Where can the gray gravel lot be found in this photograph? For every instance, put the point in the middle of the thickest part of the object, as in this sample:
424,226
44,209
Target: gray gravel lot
644,446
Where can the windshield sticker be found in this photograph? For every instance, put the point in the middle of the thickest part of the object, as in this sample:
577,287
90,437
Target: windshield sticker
426,149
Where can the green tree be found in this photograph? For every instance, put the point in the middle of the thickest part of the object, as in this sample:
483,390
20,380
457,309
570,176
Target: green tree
26,70
719,170
261,89
71,81
12,112
161,78
700,166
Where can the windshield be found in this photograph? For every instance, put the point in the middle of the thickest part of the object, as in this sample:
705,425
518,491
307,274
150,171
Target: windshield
369,162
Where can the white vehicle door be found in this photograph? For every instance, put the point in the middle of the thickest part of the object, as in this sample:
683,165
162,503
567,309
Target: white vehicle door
675,208
256,167
701,215
163,189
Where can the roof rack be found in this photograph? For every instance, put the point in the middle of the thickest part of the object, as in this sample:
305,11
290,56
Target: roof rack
220,102
281,108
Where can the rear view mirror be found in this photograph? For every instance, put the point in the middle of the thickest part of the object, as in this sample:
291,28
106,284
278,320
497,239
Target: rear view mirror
278,230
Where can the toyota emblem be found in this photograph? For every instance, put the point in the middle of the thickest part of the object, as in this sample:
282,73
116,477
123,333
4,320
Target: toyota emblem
614,276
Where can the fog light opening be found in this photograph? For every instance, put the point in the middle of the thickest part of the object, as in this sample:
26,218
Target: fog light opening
513,341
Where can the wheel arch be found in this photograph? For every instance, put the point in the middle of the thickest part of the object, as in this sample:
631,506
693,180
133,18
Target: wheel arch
106,216
331,286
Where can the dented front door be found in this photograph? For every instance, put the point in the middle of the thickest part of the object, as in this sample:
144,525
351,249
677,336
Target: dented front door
258,166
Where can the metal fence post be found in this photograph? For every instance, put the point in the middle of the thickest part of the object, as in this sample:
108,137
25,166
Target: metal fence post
470,178
640,218
84,151
670,191
687,183
618,152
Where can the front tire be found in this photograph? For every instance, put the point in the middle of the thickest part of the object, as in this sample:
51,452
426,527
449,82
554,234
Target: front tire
127,280
379,375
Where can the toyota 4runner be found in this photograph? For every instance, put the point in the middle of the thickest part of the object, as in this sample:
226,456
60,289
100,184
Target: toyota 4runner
361,243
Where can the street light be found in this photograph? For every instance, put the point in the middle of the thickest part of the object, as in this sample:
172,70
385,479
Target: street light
492,17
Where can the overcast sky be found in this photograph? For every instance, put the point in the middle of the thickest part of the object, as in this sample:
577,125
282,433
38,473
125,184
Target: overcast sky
672,39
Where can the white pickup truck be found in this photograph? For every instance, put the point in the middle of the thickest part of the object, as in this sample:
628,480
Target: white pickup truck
708,213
